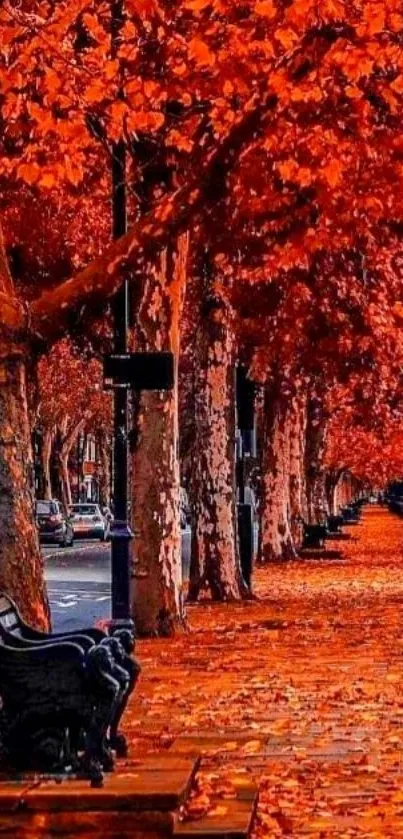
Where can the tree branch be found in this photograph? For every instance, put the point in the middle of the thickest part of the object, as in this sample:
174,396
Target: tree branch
62,309
71,436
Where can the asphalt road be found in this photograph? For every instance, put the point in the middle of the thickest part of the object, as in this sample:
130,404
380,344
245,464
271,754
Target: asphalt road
78,581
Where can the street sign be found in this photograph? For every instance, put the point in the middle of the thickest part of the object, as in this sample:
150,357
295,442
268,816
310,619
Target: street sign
139,371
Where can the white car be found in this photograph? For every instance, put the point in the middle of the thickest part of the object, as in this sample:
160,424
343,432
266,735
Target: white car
88,522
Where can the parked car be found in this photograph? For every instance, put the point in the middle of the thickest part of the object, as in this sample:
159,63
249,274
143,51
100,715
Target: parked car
53,524
88,522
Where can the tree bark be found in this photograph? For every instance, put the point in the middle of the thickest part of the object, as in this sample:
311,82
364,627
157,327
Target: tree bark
157,601
215,561
298,499
333,479
104,474
46,452
275,537
343,493
65,480
314,461
21,563
68,440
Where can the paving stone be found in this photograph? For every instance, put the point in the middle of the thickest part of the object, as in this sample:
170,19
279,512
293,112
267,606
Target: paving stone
233,820
158,763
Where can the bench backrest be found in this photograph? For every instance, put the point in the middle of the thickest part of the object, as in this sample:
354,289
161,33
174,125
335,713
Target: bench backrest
8,615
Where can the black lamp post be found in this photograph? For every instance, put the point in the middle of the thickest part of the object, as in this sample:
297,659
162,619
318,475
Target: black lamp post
124,371
245,399
120,531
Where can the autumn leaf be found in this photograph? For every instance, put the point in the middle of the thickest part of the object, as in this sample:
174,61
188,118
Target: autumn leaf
95,92
197,5
287,37
397,84
398,312
333,172
252,746
374,16
197,807
200,51
218,811
29,172
47,180
265,8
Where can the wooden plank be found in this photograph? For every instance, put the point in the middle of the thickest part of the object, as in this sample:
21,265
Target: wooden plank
88,825
12,793
137,789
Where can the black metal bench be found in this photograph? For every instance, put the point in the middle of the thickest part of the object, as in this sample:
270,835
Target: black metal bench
357,505
350,514
314,535
334,524
63,695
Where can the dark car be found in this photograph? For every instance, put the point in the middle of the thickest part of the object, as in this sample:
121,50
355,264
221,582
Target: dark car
394,497
53,524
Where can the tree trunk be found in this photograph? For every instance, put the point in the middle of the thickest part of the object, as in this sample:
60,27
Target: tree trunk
343,491
157,601
215,561
314,461
275,537
298,500
46,451
21,563
68,441
333,479
65,480
104,475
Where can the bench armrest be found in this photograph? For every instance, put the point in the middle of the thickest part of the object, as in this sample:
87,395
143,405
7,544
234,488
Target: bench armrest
19,642
30,634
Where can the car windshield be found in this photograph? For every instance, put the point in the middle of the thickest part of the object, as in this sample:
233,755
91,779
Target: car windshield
45,508
84,510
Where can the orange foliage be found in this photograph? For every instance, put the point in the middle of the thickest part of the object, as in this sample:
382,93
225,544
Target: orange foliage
312,202
71,389
334,69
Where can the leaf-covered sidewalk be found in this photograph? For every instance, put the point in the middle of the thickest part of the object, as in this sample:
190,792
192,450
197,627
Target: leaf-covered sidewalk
300,691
